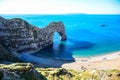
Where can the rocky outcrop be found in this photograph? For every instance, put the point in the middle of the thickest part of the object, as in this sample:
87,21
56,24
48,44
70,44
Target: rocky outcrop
26,71
18,36
18,71
5,55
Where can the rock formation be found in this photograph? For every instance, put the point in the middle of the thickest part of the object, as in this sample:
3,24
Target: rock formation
5,55
18,36
18,71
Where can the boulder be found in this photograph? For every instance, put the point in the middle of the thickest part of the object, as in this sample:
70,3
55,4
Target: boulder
18,71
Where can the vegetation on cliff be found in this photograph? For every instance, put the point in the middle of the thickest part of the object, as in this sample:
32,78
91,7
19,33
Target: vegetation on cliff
18,71
66,74
26,71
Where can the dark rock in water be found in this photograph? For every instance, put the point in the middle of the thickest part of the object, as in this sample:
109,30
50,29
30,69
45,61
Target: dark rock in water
102,25
18,36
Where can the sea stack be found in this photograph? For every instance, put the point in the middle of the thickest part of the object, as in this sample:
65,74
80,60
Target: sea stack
18,36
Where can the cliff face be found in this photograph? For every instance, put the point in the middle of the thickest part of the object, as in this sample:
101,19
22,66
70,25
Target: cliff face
18,36
5,55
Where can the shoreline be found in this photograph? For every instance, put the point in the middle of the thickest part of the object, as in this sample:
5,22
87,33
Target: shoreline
102,62
107,56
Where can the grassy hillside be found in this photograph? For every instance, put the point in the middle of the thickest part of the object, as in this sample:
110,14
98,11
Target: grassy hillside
64,74
26,71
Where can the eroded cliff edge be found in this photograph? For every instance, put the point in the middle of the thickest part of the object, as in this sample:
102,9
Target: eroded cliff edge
18,36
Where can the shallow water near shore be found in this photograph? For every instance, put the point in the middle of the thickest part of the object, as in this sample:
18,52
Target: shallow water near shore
86,35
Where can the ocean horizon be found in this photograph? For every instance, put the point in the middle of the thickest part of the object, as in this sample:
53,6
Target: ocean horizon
88,35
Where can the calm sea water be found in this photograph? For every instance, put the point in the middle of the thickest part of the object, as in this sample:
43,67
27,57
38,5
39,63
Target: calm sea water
86,37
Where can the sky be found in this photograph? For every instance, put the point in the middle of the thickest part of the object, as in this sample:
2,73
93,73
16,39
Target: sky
59,6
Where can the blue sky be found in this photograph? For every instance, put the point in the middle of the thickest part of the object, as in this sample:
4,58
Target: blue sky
59,6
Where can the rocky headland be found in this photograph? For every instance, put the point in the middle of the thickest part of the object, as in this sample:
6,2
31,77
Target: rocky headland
18,36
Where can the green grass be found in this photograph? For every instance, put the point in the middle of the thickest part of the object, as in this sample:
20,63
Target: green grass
66,74
27,72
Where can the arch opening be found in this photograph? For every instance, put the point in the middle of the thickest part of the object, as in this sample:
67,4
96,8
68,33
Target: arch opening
56,37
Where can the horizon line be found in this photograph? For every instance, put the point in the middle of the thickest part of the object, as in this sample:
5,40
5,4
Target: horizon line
58,13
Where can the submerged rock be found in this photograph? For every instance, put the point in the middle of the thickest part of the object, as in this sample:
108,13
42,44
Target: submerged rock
103,25
18,36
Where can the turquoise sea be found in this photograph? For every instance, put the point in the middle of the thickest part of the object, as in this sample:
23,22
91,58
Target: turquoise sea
86,36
